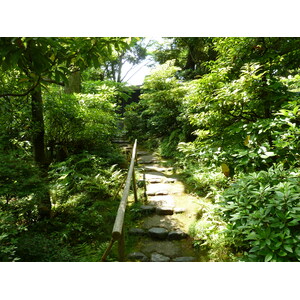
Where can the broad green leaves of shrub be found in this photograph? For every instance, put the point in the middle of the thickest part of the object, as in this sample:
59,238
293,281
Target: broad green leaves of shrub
262,210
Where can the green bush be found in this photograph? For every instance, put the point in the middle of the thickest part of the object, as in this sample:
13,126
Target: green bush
9,230
262,212
78,122
208,232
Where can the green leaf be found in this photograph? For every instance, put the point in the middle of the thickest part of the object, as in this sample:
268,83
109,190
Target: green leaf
282,253
268,257
288,248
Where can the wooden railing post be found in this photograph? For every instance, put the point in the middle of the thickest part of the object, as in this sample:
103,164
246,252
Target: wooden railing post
103,258
121,246
134,187
145,185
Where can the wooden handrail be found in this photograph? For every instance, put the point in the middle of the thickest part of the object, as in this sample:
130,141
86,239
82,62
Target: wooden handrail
117,232
118,226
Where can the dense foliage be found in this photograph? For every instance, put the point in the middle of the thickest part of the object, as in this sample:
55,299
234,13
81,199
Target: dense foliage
227,111
59,168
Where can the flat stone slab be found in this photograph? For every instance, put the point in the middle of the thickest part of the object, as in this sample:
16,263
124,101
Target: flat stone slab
158,233
157,193
164,210
179,210
137,231
170,180
166,200
138,256
156,257
177,235
145,162
184,259
161,193
154,180
140,153
147,209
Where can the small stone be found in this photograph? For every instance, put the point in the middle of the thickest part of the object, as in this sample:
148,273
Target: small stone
138,256
136,231
158,233
156,257
184,259
148,209
177,235
164,210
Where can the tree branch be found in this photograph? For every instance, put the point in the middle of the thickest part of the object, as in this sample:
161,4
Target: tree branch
22,94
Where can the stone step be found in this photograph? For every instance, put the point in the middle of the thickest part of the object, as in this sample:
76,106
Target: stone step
179,210
165,200
154,180
141,153
158,233
161,233
177,235
146,162
170,180
157,193
184,259
138,256
148,209
157,257
165,210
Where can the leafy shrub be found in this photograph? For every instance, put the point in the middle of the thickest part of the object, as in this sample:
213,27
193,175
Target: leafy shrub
42,247
262,211
205,181
9,230
208,232
79,122
18,176
84,172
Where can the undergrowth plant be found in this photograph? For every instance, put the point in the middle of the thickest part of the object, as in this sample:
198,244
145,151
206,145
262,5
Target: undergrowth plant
208,232
262,212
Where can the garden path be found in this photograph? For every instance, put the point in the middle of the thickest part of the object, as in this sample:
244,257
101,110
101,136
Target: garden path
162,235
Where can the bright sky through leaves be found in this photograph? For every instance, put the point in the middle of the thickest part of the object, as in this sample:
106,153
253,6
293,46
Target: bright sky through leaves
136,74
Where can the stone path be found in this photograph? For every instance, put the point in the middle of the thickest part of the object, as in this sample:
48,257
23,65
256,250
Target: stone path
162,235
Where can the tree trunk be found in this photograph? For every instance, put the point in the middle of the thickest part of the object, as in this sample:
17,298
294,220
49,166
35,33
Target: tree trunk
74,83
38,144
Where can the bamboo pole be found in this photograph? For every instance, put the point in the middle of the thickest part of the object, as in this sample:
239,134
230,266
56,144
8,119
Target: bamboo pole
118,226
